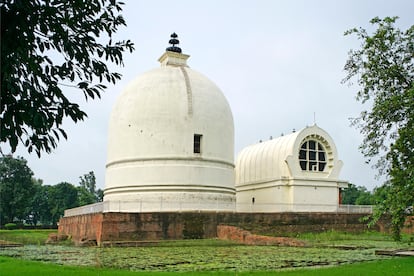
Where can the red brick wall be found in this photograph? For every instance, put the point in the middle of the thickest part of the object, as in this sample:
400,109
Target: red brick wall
141,226
82,228
138,226
158,226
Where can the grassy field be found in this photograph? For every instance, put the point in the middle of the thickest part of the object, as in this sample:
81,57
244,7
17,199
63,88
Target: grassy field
396,266
366,239
34,237
341,250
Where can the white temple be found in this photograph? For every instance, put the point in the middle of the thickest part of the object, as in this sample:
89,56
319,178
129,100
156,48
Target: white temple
171,142
171,148
298,172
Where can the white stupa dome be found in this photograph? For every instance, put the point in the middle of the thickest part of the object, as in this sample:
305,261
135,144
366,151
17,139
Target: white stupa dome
171,142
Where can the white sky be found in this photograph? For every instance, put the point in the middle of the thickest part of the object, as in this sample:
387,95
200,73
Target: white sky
277,62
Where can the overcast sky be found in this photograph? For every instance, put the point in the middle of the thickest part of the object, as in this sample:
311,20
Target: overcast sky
277,62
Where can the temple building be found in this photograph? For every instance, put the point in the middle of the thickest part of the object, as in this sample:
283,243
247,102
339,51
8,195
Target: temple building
298,172
170,171
171,149
171,142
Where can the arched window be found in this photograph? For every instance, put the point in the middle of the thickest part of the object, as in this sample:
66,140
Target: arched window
312,156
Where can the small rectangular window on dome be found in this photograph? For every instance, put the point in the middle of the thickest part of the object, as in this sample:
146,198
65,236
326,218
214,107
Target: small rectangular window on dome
197,143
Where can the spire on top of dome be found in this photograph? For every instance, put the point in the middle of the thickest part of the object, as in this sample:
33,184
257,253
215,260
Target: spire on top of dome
173,55
174,41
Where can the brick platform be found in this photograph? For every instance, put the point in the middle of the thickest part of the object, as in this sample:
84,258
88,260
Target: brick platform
102,227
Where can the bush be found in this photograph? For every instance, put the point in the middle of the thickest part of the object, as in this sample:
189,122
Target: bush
10,226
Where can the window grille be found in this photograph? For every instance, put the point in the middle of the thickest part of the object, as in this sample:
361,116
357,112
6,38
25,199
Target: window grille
312,156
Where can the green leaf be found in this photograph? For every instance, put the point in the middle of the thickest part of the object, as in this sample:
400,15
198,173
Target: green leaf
75,31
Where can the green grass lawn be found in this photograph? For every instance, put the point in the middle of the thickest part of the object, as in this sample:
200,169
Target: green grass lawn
365,239
35,237
395,266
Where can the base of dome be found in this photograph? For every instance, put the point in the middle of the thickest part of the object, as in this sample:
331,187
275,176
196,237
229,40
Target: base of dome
170,202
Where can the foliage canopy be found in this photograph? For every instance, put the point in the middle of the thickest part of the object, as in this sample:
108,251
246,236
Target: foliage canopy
87,192
51,45
24,198
16,188
384,69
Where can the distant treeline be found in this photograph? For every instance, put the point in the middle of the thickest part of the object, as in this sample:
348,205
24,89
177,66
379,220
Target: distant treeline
25,201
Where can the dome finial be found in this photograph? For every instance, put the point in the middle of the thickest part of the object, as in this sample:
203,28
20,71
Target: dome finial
174,41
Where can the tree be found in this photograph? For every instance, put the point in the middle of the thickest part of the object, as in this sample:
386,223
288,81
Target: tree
51,45
87,192
61,197
39,210
99,195
384,69
350,194
401,190
16,188
365,197
380,194
358,195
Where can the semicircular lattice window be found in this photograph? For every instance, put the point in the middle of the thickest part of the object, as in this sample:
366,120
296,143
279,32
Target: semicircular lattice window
312,156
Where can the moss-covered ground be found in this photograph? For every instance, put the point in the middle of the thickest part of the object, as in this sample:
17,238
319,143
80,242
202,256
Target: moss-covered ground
324,250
